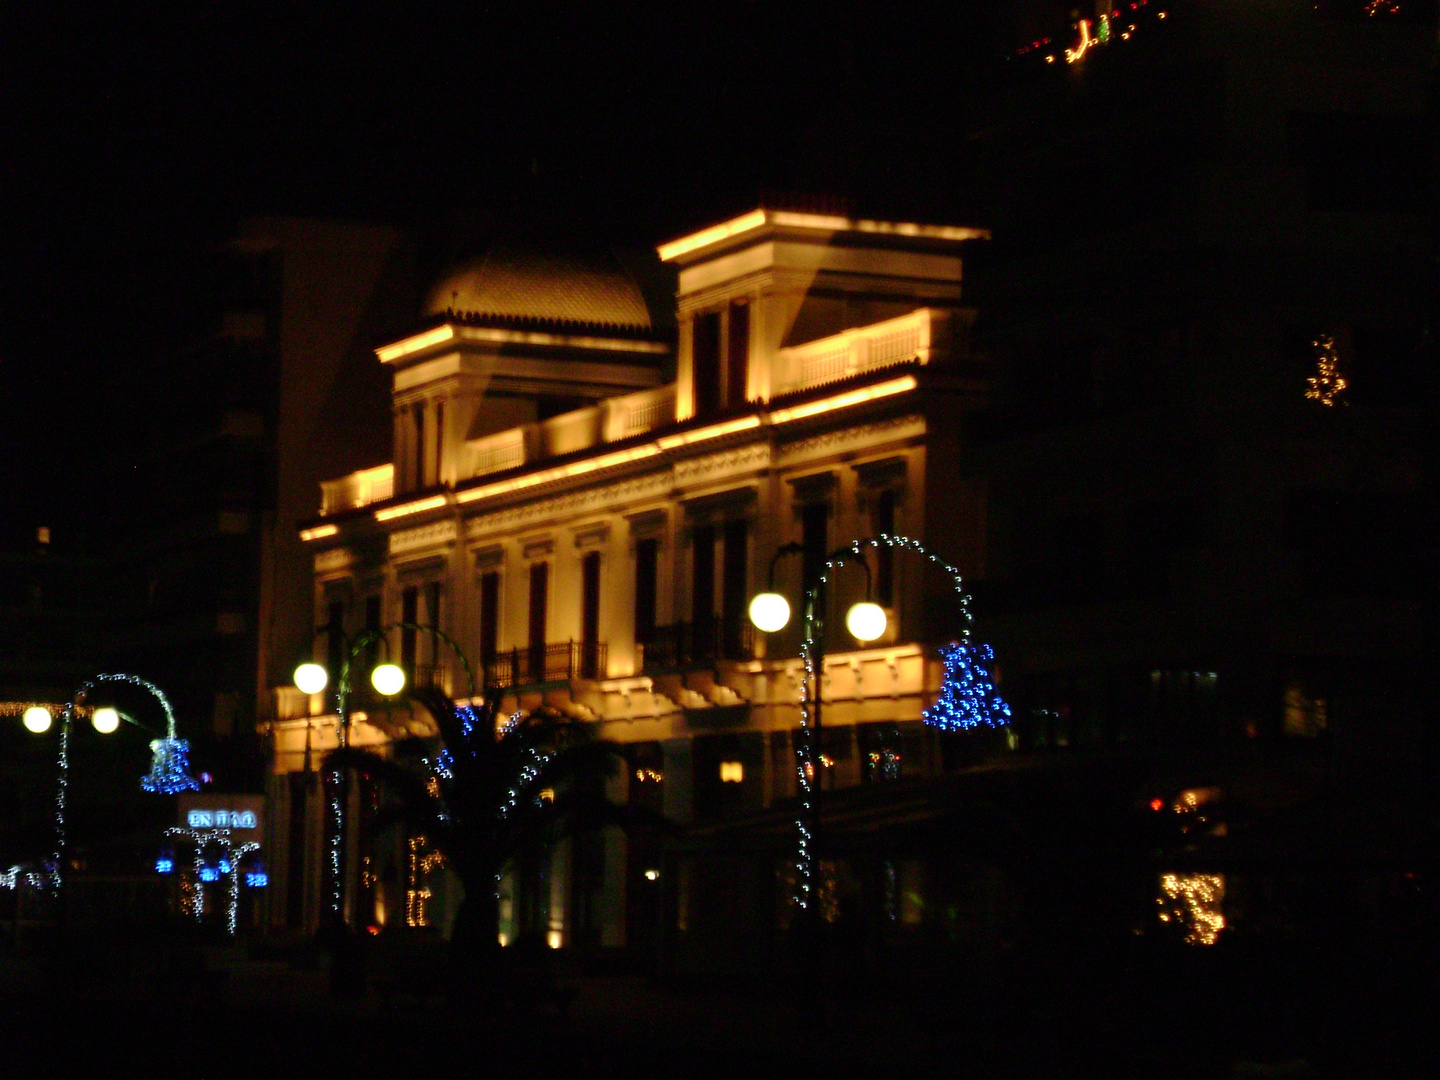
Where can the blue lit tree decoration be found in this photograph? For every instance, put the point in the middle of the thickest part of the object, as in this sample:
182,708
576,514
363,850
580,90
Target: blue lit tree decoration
968,698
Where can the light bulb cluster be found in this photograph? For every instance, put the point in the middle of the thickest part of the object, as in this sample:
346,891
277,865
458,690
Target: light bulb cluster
1327,384
968,698
1195,901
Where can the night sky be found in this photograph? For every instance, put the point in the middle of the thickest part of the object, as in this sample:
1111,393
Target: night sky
137,136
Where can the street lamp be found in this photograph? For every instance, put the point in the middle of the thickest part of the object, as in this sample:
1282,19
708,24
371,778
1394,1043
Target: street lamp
389,680
38,719
770,612
169,766
866,627
866,621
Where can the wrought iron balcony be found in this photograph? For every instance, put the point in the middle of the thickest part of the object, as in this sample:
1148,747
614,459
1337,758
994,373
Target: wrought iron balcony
554,662
696,644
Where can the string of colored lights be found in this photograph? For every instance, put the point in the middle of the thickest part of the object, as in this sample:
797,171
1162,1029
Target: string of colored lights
1119,23
809,756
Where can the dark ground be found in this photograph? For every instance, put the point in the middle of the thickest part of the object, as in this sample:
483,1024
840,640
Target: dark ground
214,1011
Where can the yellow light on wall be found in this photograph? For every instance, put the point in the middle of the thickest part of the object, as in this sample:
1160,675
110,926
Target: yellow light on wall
311,678
865,621
388,679
38,719
732,772
106,720
769,611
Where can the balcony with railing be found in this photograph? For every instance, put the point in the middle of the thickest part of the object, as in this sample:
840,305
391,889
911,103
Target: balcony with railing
560,661
357,489
697,644
921,335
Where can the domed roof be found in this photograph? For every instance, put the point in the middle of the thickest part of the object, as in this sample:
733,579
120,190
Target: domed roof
514,283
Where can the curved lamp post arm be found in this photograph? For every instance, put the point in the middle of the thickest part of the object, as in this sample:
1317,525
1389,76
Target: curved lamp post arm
812,655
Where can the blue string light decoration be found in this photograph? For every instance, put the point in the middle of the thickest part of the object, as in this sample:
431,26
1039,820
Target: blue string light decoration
169,768
968,698
169,757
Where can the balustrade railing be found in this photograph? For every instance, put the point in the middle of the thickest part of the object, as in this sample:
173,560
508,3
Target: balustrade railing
694,643
554,662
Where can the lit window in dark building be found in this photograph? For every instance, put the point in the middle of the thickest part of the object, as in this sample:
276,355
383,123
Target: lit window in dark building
539,590
590,615
705,352
647,566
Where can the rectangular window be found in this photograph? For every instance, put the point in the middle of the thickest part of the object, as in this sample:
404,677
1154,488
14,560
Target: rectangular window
733,598
590,615
439,437
335,640
737,359
539,593
814,525
410,615
432,620
417,411
372,623
489,616
884,522
702,597
705,355
647,567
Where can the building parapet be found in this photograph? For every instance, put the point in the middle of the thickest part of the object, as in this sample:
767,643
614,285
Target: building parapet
918,336
357,489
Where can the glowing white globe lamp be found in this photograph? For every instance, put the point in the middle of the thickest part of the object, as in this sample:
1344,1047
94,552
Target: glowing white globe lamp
38,719
388,679
311,678
865,621
106,720
769,611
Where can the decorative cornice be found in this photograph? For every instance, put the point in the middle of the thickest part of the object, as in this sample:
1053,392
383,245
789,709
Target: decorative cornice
756,455
437,532
647,486
328,562
849,437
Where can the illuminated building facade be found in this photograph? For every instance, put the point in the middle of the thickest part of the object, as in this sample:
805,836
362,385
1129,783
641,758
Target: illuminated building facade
586,503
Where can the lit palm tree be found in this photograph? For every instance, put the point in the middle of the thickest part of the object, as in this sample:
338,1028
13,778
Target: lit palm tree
479,803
